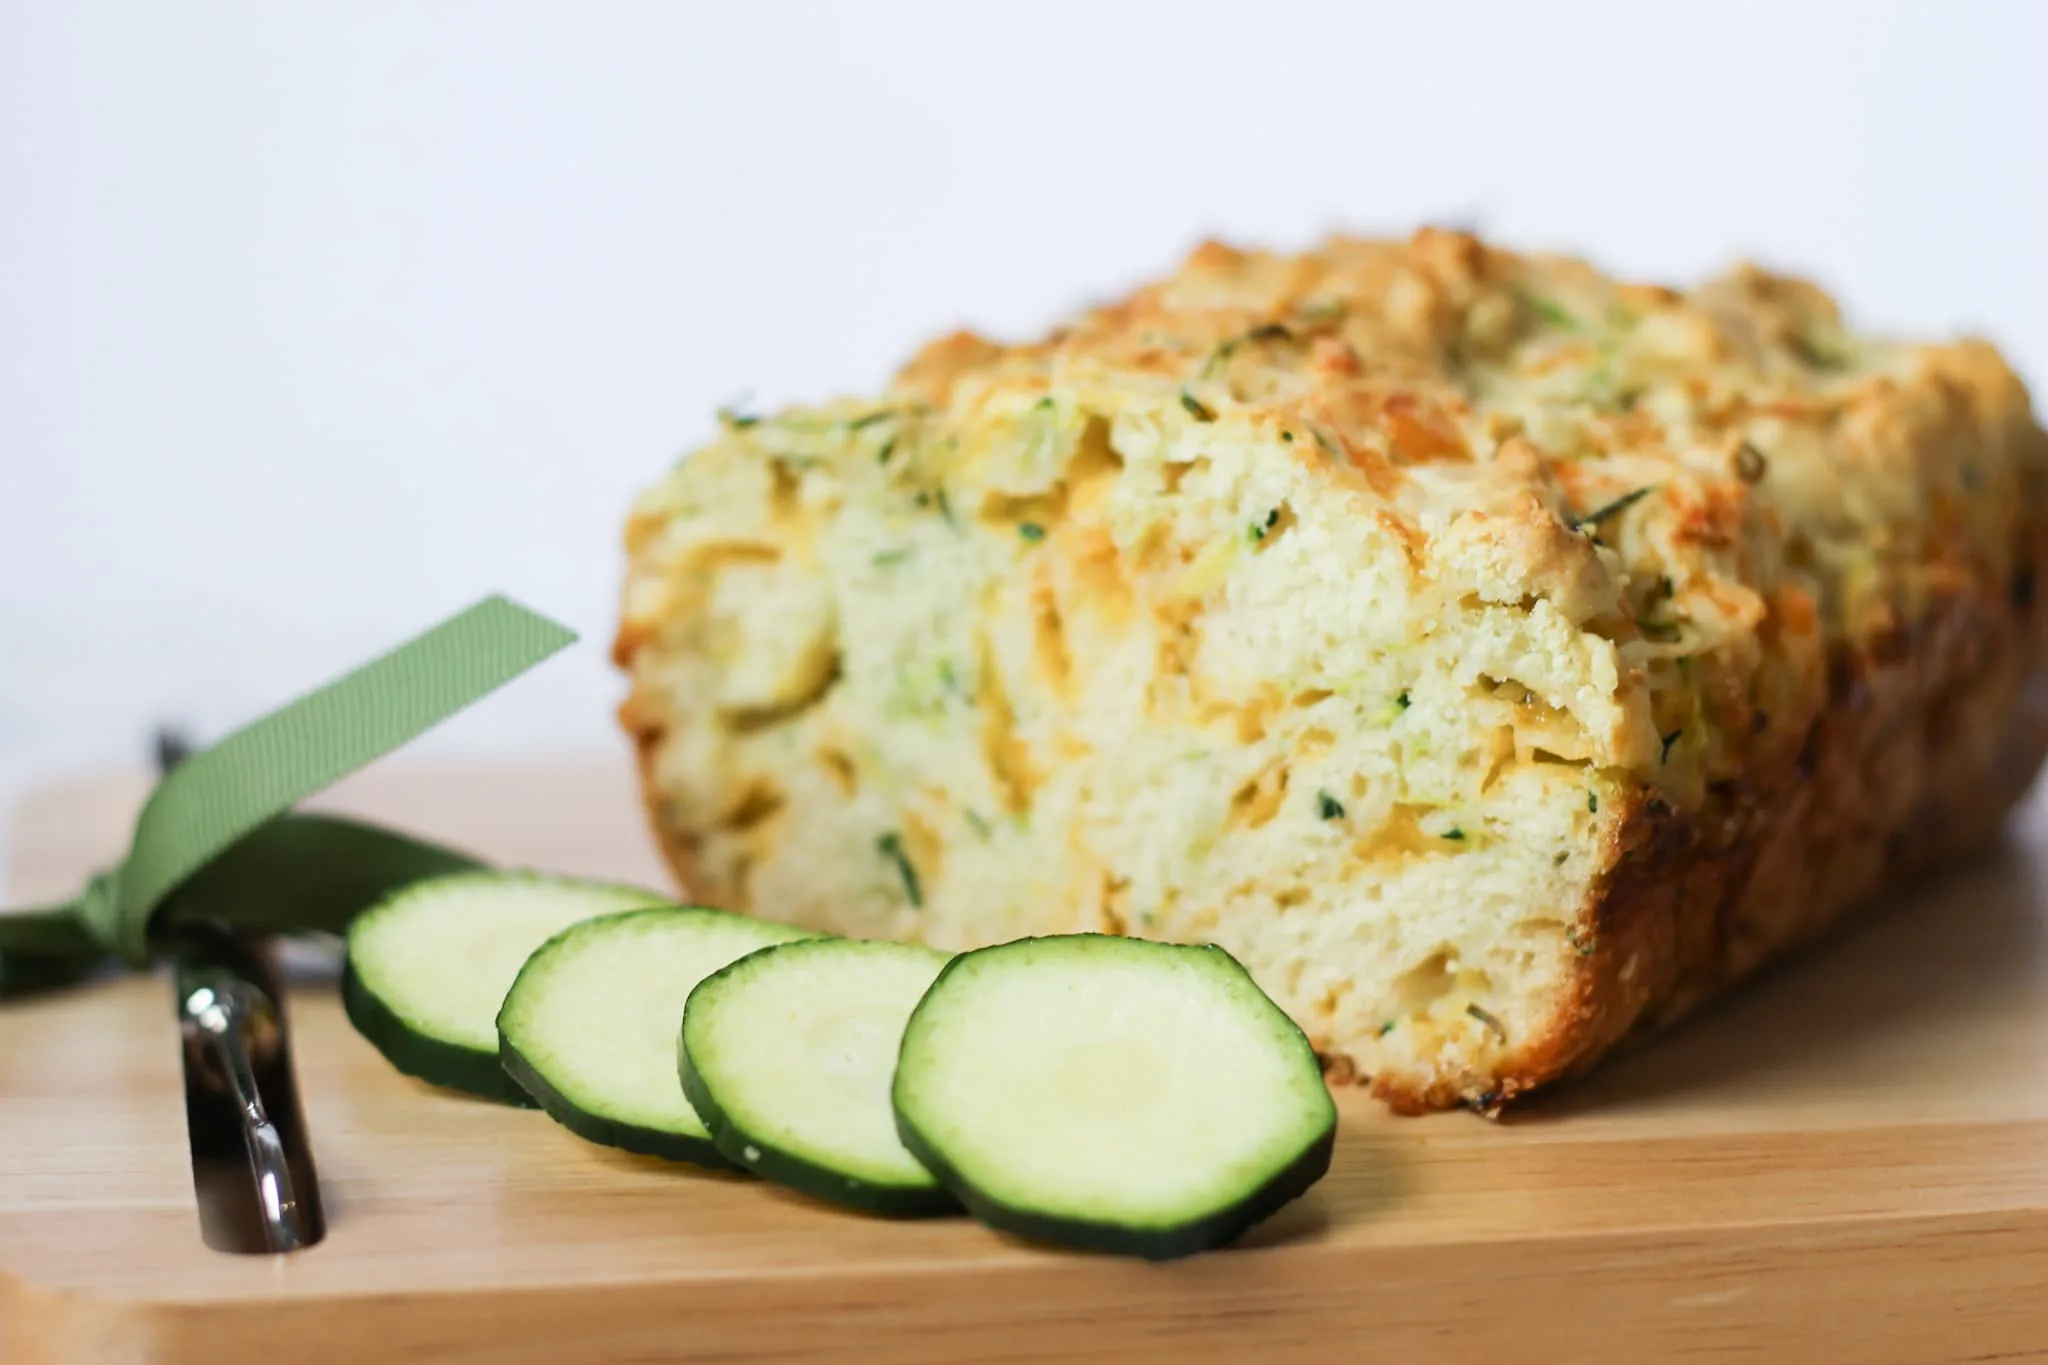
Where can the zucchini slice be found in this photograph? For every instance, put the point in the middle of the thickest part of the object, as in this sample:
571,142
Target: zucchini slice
428,967
788,1055
589,1029
1111,1093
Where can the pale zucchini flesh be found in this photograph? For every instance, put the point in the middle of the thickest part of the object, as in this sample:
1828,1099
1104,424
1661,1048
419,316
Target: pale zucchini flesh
788,1055
428,967
1112,1093
589,1028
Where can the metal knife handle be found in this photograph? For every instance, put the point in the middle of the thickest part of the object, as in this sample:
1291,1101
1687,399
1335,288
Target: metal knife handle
230,1017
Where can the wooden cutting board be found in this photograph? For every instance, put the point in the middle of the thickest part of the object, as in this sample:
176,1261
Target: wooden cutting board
1849,1161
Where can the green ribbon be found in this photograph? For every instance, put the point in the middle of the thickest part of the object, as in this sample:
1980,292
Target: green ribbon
215,840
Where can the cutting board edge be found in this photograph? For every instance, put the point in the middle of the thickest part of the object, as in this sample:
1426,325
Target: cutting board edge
1888,1289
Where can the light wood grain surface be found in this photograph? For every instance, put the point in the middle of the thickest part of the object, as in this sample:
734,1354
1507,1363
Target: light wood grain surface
1848,1162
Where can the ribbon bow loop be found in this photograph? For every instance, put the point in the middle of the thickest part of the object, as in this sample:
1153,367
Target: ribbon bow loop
214,840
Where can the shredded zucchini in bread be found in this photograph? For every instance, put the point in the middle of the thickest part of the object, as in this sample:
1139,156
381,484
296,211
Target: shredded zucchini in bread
1497,659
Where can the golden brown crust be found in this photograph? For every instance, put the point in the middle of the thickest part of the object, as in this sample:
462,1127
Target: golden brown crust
1933,731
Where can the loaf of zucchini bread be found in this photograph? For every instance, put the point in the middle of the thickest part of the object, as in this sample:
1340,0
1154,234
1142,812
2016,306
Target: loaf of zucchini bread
1498,659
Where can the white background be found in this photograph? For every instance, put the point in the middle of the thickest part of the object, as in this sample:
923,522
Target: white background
319,320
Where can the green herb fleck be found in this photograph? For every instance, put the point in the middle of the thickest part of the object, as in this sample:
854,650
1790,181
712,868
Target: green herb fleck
1553,313
1043,405
975,822
731,416
888,449
1454,834
1813,352
1196,408
1269,331
869,419
1329,448
1031,531
889,557
1402,700
1329,807
1492,1021
1388,1027
1664,755
1287,436
1593,802
945,507
1582,946
1257,530
1615,508
1662,632
890,846
1558,859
